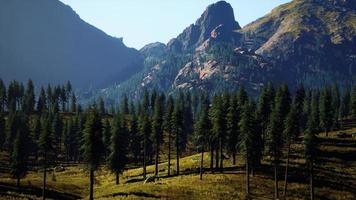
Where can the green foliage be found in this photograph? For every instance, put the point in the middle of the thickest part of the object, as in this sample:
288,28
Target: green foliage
203,125
92,147
326,110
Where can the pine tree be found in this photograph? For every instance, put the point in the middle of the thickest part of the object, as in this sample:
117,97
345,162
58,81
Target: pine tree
291,132
233,118
68,91
92,145
42,101
265,106
202,130
353,102
275,129
167,124
119,144
106,137
145,130
299,101
217,121
57,130
326,110
124,107
3,96
247,128
12,127
73,103
46,146
136,139
335,102
102,109
345,104
157,127
177,128
19,154
310,146
2,131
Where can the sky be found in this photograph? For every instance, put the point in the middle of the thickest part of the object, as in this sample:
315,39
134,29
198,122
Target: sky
141,22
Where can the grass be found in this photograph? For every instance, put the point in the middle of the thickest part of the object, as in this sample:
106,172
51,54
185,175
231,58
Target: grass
335,178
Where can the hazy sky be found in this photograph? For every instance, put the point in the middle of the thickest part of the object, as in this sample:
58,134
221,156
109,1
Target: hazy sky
141,22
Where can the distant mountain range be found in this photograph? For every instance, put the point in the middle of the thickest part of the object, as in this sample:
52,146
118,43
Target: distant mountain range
45,40
305,41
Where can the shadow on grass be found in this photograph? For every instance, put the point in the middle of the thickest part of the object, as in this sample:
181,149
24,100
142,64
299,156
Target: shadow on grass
138,194
4,188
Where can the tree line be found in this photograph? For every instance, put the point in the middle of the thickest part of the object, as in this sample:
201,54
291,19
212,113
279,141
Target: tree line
52,129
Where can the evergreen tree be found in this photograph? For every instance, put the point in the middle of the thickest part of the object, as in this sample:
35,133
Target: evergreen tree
124,107
202,130
177,128
265,106
106,137
326,110
42,101
92,145
3,96
157,127
353,102
12,127
73,103
102,109
335,102
136,139
310,146
2,131
167,124
247,128
291,132
19,156
46,146
233,118
275,129
345,104
57,130
119,143
299,101
217,121
68,91
145,130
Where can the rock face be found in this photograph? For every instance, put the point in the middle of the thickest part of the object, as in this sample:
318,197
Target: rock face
48,42
217,16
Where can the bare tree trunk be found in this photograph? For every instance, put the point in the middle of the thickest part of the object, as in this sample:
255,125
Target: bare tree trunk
18,182
177,159
91,185
169,154
286,172
234,158
44,178
311,180
211,158
221,156
117,178
275,180
144,159
217,157
247,176
156,160
201,164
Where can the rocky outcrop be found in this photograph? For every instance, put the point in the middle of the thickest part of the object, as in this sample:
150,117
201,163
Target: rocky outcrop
217,20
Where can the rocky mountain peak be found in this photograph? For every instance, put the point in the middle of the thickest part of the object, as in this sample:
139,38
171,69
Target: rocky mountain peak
217,19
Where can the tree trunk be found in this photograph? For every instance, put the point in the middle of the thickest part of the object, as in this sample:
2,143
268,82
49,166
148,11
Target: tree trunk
117,178
221,156
91,185
234,158
217,157
286,172
156,160
177,159
275,180
311,181
169,154
211,159
201,164
18,182
44,179
247,176
144,159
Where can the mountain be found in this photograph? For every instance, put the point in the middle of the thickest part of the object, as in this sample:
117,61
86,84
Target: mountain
305,41
45,40
310,41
